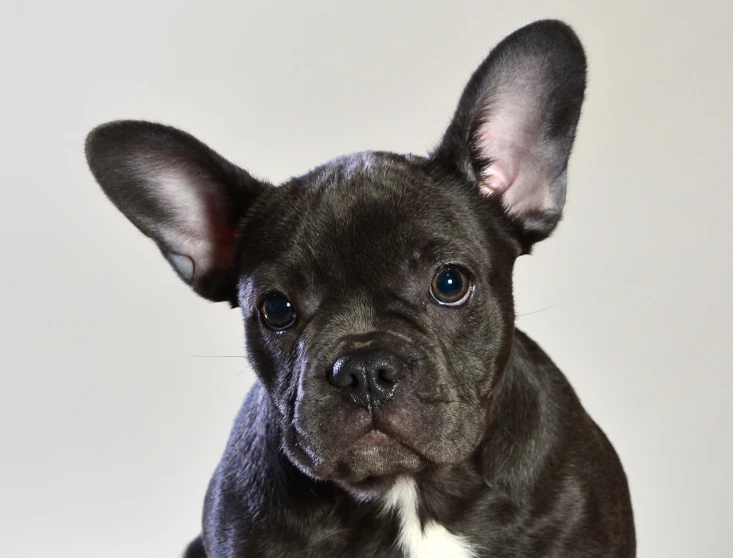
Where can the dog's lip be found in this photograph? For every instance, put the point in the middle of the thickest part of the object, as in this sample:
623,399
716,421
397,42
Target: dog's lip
373,439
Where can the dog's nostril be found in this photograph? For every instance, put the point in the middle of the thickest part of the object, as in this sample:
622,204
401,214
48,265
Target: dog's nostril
385,376
344,374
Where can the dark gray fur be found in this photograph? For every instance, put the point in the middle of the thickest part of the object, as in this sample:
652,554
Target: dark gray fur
502,451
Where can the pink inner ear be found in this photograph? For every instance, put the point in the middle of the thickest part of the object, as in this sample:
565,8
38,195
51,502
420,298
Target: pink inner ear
197,224
511,139
500,175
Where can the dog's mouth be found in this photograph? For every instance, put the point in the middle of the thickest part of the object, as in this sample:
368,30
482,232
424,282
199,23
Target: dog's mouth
373,440
372,462
372,458
330,438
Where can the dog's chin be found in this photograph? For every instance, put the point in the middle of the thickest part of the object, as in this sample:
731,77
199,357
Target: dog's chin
370,466
365,468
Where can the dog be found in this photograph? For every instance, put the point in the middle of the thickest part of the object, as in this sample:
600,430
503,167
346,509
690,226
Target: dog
397,411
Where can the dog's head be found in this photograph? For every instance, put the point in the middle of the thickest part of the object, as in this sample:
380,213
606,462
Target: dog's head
376,289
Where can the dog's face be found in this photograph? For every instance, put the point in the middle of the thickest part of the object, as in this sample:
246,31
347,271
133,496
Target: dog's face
376,289
378,315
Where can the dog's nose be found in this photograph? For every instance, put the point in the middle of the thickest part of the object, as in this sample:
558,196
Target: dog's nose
369,377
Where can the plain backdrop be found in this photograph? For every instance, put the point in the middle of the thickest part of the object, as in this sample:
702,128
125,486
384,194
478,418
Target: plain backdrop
118,385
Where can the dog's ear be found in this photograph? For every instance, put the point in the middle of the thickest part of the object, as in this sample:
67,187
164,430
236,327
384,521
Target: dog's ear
514,126
180,193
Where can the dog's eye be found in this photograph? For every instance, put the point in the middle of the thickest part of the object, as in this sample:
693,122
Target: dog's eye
450,287
277,311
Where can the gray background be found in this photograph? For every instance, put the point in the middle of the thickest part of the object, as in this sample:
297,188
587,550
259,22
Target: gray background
110,424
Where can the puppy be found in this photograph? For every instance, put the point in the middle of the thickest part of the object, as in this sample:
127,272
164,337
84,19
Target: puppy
397,410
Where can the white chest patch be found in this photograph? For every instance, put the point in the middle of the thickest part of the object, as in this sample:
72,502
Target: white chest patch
432,541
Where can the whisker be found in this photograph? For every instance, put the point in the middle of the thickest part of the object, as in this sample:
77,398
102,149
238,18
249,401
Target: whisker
537,311
217,356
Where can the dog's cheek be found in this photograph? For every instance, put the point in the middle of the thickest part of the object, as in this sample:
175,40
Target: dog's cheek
489,328
262,353
272,356
462,434
443,432
474,342
473,339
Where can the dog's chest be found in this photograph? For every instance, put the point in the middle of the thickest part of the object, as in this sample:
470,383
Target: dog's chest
417,541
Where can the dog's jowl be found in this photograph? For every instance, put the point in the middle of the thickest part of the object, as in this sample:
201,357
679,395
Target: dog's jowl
397,410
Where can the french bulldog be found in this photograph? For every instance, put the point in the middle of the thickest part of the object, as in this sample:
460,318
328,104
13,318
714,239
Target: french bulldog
397,411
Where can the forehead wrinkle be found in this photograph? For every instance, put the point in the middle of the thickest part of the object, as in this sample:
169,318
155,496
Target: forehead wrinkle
362,239
361,214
